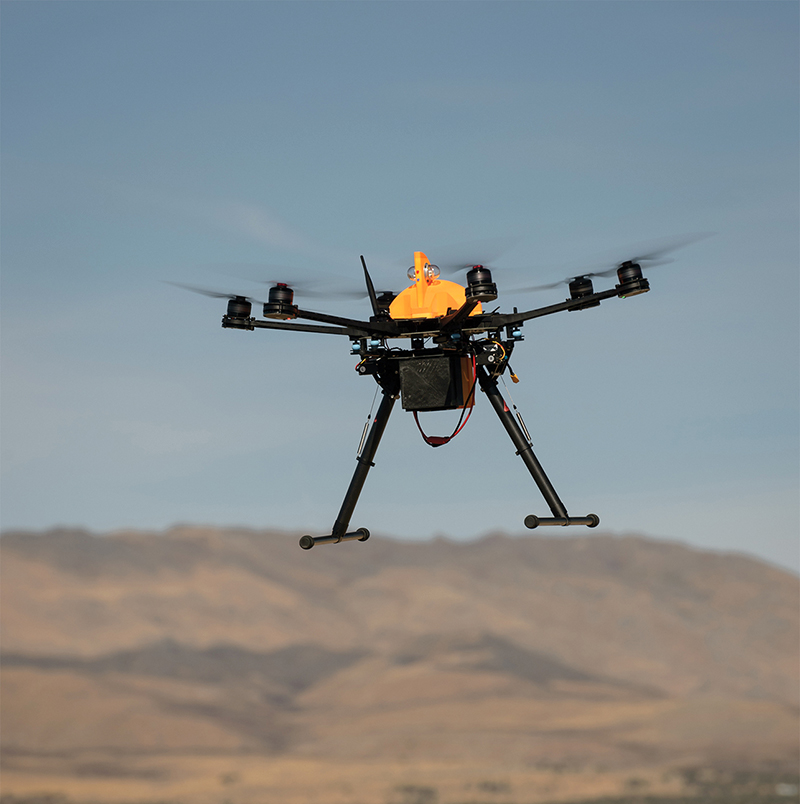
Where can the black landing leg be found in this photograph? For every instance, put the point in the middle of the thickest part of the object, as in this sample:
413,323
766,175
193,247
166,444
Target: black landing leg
363,465
524,447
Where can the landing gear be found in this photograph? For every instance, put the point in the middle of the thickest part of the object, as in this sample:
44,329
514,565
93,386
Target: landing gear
488,383
388,374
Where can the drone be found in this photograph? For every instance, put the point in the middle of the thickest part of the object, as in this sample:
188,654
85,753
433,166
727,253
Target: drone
449,346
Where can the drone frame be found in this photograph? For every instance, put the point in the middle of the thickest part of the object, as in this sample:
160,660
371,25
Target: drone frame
454,336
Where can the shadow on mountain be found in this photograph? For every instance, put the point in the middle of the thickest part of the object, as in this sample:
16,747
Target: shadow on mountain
295,667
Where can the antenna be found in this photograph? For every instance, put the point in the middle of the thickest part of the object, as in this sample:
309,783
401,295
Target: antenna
373,299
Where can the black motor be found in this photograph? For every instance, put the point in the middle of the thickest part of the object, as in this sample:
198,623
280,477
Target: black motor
579,287
479,284
631,281
239,307
280,304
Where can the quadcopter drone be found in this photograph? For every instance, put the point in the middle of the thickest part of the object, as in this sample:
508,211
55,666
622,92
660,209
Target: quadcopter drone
450,346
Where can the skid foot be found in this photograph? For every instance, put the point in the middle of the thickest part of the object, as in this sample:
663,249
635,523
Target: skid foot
360,535
590,520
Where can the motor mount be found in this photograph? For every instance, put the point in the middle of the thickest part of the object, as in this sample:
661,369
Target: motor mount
479,284
239,307
631,281
280,304
582,286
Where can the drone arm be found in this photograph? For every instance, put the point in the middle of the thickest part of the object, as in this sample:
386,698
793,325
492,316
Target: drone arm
450,322
295,327
507,319
381,329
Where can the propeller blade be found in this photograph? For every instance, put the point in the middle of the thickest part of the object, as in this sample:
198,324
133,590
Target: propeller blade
314,288
454,258
536,288
651,263
305,291
214,294
652,252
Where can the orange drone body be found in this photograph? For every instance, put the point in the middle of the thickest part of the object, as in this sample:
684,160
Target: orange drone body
428,297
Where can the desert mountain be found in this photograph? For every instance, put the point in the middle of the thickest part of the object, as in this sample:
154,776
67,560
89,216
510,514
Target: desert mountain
533,652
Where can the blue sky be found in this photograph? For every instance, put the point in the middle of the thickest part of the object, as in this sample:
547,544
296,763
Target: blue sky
219,142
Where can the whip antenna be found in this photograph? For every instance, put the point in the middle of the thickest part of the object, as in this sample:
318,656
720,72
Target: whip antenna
373,299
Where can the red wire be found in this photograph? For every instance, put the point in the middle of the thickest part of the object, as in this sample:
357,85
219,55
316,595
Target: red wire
438,441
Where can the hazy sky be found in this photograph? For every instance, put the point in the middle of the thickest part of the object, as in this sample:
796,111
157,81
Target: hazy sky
215,143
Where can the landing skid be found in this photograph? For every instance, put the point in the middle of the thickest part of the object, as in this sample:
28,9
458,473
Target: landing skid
488,384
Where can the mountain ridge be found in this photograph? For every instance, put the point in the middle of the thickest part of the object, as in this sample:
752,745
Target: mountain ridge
521,652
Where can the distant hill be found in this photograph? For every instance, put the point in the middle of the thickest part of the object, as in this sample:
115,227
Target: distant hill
533,652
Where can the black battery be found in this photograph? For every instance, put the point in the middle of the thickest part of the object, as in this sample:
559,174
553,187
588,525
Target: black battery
440,382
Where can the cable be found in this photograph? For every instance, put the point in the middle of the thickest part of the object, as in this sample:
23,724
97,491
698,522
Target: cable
466,410
516,410
366,424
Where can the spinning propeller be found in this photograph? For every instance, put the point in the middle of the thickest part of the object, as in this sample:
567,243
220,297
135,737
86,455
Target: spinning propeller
653,253
239,306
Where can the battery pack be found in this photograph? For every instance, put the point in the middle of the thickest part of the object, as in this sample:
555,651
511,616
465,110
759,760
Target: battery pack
440,382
